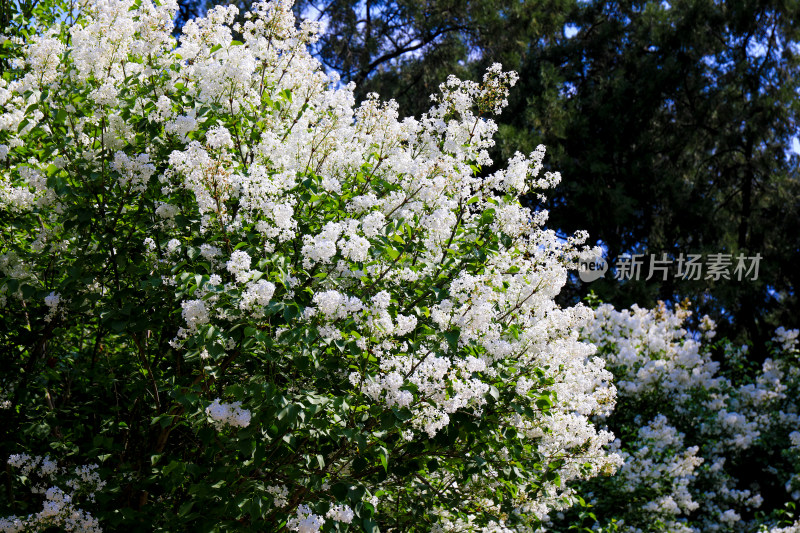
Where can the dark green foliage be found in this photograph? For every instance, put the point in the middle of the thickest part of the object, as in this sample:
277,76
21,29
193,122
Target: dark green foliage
671,127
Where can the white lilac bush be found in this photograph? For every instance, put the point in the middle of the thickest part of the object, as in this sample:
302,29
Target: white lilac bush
704,448
258,306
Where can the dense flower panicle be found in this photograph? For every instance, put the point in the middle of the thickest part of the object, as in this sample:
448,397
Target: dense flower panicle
195,313
305,521
257,295
133,172
662,459
787,338
230,414
239,266
52,301
794,528
279,495
340,513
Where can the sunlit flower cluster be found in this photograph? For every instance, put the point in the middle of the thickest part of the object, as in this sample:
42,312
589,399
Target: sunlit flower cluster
230,414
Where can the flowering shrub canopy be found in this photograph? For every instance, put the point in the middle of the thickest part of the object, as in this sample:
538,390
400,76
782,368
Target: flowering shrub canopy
703,450
256,305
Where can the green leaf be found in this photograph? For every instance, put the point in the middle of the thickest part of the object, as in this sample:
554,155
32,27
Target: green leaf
185,508
544,402
370,526
339,491
384,457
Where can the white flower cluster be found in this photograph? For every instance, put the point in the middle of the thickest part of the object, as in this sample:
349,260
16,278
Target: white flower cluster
659,459
194,313
256,296
59,508
230,414
340,513
181,126
322,247
334,305
53,303
787,338
280,495
305,521
209,252
239,266
133,172
219,137
660,366
167,212
27,191
794,528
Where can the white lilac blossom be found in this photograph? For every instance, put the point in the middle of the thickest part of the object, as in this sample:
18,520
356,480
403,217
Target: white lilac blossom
219,137
53,302
133,172
209,252
173,246
167,212
279,495
228,414
659,459
239,266
787,338
181,126
305,521
340,513
59,506
661,366
194,313
149,245
27,191
257,294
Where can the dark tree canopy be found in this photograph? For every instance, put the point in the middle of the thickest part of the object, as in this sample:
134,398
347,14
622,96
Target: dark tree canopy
674,139
405,49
